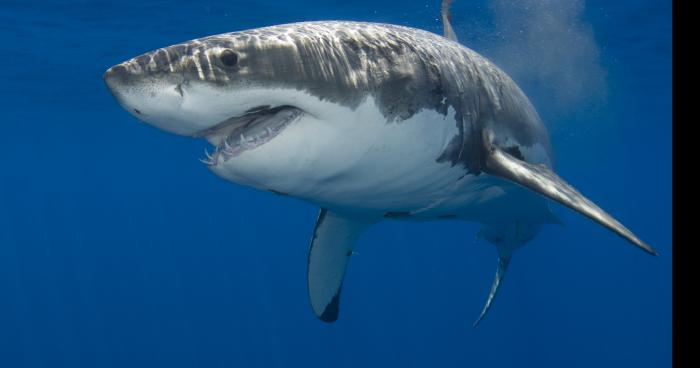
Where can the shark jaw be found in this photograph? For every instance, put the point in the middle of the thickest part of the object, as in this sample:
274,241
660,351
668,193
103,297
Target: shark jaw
260,125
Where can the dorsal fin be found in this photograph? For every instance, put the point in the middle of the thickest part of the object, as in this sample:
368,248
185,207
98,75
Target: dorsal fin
446,19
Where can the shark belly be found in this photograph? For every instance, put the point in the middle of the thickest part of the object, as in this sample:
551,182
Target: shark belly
372,167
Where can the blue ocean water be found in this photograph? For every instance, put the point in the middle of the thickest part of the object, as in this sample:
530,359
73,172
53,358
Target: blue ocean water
118,248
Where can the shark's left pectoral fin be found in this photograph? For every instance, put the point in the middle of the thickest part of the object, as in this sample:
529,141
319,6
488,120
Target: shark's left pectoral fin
503,261
331,248
544,181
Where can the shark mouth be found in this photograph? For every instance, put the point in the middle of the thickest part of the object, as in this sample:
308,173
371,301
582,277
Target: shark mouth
238,134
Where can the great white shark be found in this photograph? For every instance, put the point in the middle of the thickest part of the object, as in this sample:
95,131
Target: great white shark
368,121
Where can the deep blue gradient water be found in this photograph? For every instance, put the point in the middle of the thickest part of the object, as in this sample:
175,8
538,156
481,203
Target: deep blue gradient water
118,248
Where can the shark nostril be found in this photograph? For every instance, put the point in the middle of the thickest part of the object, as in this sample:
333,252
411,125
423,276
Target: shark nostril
137,111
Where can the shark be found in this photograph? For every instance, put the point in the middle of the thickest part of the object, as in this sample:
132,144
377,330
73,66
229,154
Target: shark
368,122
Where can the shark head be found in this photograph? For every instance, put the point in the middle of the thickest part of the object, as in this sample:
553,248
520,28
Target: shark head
237,90
285,101
242,91
190,88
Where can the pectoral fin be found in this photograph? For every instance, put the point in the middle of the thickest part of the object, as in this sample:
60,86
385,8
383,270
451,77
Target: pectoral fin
503,261
544,181
331,249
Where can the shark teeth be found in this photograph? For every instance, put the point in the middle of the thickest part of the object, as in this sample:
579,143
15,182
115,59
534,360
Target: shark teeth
258,128
210,159
227,147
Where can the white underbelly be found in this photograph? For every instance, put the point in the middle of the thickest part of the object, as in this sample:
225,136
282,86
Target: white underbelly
355,160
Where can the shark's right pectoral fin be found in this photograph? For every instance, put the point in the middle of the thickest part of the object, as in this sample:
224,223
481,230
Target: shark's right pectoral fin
331,248
544,181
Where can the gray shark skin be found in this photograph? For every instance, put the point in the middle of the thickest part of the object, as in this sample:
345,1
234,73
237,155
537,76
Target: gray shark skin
404,69
368,121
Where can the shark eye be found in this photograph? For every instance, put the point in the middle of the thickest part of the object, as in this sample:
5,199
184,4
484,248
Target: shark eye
228,58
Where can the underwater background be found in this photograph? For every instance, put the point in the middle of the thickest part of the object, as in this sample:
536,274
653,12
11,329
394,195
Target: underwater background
118,248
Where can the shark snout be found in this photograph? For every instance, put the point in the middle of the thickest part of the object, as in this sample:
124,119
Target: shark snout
123,81
117,71
115,77
146,88
132,71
